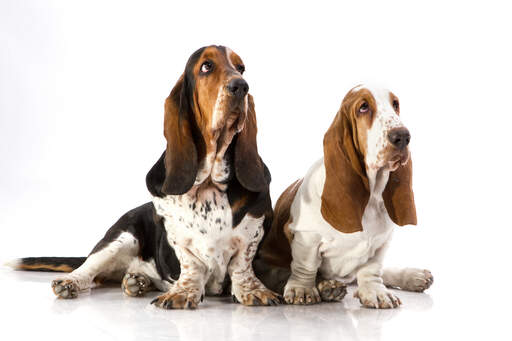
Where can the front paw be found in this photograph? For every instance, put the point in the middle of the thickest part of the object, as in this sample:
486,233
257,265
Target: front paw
65,288
377,296
255,297
301,295
178,298
417,280
332,290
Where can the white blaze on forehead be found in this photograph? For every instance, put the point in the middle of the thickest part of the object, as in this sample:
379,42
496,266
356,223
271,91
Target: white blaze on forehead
385,119
221,96
228,56
219,107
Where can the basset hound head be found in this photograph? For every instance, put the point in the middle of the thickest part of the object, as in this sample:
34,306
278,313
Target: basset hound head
366,143
209,109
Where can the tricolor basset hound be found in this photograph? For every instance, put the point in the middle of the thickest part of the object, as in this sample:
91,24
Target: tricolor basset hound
333,226
210,206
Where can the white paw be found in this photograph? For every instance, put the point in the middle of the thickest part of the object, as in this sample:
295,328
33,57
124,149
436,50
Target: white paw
65,288
376,296
417,280
135,284
294,294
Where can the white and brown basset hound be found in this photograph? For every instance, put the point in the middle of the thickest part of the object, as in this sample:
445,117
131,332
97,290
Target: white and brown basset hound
333,227
210,206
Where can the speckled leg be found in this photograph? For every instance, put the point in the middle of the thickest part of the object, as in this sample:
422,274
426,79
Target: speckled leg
188,290
245,287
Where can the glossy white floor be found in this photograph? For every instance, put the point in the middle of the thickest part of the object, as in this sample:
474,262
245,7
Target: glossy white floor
106,314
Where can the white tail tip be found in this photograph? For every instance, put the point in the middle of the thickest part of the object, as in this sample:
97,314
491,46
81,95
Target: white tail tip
13,264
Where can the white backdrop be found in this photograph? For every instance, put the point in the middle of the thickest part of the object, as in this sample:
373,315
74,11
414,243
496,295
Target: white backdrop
82,86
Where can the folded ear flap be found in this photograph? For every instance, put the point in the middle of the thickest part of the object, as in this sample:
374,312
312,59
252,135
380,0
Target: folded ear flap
181,160
399,197
249,168
346,191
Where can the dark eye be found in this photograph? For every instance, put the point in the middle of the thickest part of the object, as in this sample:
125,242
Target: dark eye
364,108
206,67
240,68
396,106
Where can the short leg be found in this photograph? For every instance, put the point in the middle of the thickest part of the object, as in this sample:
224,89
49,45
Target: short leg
409,279
188,290
301,288
331,290
117,253
246,288
371,291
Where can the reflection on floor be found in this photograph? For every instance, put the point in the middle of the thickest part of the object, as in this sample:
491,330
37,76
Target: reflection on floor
105,313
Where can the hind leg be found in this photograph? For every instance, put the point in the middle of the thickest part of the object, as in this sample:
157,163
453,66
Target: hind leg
108,257
409,279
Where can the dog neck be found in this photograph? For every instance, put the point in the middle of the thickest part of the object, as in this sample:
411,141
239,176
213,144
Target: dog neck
377,179
216,165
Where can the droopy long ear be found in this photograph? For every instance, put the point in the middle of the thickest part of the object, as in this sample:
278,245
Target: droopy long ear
249,168
399,197
181,160
346,191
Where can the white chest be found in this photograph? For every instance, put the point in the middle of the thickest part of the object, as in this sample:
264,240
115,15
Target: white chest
201,225
204,227
341,253
344,253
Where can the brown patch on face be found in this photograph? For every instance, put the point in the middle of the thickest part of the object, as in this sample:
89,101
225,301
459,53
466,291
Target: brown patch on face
346,188
276,249
361,122
202,115
209,86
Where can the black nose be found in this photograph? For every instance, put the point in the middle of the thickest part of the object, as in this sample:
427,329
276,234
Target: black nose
399,137
238,87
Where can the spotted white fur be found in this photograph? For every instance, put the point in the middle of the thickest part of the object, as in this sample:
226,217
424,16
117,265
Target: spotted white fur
201,232
199,227
199,223
319,248
385,119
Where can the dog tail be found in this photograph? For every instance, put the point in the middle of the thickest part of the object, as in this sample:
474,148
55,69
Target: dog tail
51,264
